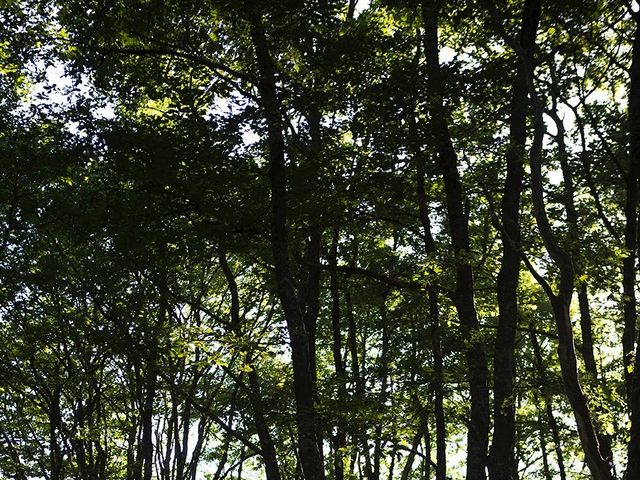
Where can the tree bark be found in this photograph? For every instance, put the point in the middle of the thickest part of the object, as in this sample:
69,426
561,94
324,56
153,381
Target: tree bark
382,397
478,433
267,446
434,319
629,273
543,445
574,246
417,438
599,466
560,302
340,438
575,234
575,251
357,372
146,414
55,433
502,463
551,420
310,455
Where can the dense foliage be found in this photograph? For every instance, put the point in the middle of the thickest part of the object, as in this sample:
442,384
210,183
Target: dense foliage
320,239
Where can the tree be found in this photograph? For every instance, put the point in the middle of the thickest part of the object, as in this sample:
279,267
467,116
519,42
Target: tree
324,239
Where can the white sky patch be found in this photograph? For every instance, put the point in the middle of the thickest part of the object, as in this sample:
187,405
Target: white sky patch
447,54
58,91
361,6
249,137
567,116
105,113
555,177
51,90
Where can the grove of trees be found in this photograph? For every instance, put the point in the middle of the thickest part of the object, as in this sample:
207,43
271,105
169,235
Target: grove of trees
319,240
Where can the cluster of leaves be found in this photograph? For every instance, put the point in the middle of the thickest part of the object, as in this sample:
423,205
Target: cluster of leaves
140,322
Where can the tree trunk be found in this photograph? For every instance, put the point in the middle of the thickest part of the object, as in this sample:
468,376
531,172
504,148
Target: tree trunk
543,444
575,235
551,420
311,309
310,455
408,466
55,433
267,446
382,398
340,439
359,434
434,319
599,466
146,416
478,433
502,463
633,465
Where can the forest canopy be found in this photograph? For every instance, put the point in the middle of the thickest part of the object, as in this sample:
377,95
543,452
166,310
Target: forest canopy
319,240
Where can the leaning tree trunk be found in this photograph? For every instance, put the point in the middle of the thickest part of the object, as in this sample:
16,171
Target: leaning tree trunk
598,465
583,300
575,234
